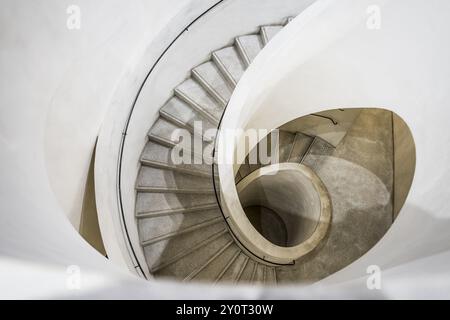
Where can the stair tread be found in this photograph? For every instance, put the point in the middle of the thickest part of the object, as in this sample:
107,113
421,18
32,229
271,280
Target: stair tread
191,92
156,213
181,111
159,253
211,78
249,46
209,268
197,260
170,179
189,250
184,230
268,32
300,147
155,227
165,202
230,63
161,156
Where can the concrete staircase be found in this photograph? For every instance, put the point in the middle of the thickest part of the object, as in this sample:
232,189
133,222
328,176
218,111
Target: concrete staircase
182,230
295,147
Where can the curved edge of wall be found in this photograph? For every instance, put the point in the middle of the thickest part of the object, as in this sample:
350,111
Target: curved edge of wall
329,49
109,146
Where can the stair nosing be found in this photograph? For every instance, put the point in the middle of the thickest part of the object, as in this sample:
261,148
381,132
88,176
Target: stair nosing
223,69
241,270
168,212
189,229
255,268
166,166
143,189
264,36
227,266
198,270
242,52
195,106
209,88
187,252
172,119
170,144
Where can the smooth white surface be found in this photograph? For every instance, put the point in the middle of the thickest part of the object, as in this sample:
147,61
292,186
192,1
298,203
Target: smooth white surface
328,58
214,30
37,241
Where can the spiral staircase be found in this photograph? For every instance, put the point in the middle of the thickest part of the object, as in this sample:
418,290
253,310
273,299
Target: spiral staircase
182,230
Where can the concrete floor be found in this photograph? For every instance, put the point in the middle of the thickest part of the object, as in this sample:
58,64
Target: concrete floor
359,177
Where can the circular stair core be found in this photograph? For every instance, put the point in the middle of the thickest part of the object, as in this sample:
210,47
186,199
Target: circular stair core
286,203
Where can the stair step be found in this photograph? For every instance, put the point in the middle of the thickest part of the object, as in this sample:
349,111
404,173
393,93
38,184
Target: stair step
317,153
166,250
300,147
247,272
230,64
261,274
227,266
186,169
191,92
190,229
172,190
161,213
211,79
197,271
286,140
157,203
160,156
270,276
166,133
188,251
168,179
242,269
268,32
244,170
170,134
248,47
181,114
254,272
199,259
157,227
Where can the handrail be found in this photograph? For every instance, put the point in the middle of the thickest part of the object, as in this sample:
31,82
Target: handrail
213,173
129,244
325,117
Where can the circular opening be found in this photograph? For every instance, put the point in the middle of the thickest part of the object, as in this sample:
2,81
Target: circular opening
284,206
365,158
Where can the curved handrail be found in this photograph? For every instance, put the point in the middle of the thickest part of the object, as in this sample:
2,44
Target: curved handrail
325,117
216,194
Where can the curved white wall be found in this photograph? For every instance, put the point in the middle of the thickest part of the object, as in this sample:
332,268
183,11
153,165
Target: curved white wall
214,28
47,69
328,58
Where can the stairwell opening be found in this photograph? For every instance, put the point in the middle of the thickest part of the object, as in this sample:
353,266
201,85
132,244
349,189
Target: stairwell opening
365,160
283,202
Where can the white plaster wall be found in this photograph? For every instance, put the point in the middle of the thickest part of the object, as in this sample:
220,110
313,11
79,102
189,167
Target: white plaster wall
57,83
43,72
329,58
214,30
